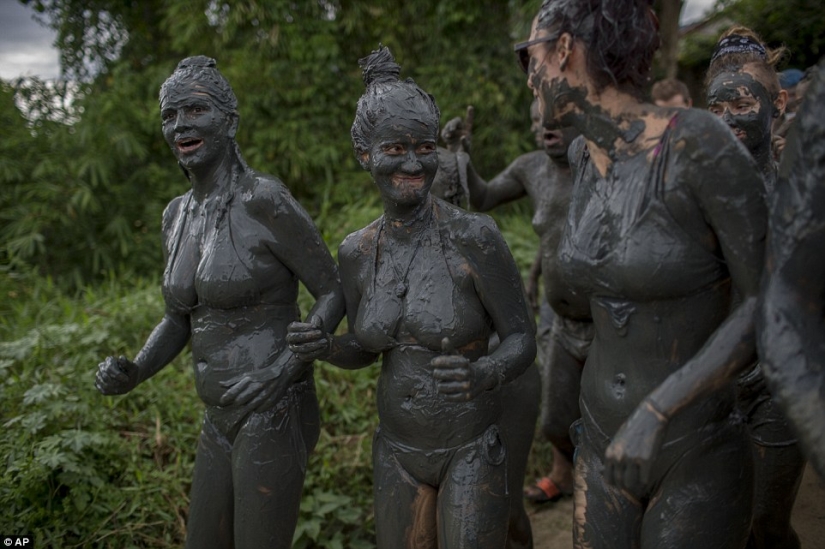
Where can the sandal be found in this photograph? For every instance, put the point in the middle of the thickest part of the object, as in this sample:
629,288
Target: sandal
544,491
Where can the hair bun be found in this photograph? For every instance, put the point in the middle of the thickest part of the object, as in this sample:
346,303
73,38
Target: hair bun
379,67
198,62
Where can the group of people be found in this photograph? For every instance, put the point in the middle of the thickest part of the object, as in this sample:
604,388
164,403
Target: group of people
652,223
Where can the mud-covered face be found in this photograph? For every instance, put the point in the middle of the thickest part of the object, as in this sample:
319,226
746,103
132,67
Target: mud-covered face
403,159
745,105
198,132
555,96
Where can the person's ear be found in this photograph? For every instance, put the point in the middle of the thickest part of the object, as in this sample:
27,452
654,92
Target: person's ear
564,49
780,103
364,159
233,124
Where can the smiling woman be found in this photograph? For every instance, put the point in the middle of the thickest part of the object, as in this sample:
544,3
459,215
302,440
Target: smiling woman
236,246
426,285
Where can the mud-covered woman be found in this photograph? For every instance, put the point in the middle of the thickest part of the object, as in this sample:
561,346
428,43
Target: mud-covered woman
544,176
425,286
792,314
236,245
667,218
742,88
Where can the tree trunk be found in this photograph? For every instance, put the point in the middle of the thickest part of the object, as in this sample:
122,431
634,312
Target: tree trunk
669,11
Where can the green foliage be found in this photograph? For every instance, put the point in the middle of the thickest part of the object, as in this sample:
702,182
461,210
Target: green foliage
83,185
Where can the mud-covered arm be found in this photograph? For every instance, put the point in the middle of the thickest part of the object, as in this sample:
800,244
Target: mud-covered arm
298,245
724,181
791,318
120,375
507,186
498,285
345,351
726,184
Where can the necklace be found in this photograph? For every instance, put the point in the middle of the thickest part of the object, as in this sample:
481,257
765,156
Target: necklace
401,287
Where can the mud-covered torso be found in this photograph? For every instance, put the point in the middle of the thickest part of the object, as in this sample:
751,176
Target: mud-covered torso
638,255
221,271
408,328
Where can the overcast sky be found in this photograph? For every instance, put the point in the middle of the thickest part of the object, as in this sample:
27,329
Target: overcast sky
26,46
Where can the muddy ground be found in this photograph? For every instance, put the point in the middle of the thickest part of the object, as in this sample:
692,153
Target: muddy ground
552,522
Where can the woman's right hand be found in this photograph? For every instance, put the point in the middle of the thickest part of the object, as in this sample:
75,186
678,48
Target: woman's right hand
308,340
117,376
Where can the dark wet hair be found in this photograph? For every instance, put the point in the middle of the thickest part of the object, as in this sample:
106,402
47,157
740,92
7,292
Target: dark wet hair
381,78
739,46
203,72
621,37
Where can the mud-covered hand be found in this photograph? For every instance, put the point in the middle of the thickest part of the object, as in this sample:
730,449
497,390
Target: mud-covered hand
457,378
308,340
261,389
630,457
117,376
457,133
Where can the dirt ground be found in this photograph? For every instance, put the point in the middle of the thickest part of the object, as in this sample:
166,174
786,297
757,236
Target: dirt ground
553,522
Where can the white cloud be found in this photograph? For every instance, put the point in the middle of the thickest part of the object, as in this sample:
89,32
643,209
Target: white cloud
25,45
693,10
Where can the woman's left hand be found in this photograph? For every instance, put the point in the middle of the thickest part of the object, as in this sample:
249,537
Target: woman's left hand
308,340
261,389
630,457
458,379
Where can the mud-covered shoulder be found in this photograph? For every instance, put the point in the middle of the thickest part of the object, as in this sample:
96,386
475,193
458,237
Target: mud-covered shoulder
472,232
360,243
170,214
708,158
264,194
701,135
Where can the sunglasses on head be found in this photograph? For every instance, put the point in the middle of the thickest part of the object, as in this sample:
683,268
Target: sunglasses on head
522,57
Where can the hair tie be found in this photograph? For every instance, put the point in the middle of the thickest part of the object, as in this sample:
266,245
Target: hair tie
736,43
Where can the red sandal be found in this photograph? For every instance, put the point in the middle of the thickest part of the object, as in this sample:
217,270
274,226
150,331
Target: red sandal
544,491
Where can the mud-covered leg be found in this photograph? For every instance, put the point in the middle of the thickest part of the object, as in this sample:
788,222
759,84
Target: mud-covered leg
778,474
211,508
405,509
603,517
269,468
473,505
520,402
705,499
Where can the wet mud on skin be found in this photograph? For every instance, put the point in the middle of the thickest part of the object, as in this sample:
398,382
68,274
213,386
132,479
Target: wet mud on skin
233,263
745,105
639,254
553,524
791,322
426,285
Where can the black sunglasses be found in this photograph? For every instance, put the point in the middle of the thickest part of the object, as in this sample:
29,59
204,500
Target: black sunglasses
522,57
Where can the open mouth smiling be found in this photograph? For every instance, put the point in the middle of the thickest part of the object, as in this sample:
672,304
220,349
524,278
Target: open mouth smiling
188,145
407,180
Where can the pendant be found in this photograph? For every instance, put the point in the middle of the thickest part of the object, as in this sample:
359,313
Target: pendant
400,290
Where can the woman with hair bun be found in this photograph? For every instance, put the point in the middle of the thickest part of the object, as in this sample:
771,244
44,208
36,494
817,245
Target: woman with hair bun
665,224
742,88
235,245
426,285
